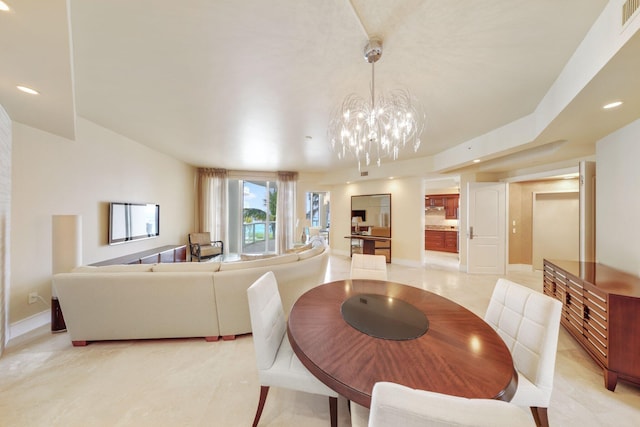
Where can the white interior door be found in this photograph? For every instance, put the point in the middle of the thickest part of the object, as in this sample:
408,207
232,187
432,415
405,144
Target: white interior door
556,231
486,229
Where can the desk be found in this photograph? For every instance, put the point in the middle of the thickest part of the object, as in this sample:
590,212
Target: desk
369,244
459,355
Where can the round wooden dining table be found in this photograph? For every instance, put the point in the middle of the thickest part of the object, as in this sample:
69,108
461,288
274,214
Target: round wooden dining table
459,354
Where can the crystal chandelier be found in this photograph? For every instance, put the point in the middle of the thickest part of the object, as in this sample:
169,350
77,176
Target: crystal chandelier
379,128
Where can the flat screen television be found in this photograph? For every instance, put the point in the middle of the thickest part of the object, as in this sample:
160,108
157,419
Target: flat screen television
133,221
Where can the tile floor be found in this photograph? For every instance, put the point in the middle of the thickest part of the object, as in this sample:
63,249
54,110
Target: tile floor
44,381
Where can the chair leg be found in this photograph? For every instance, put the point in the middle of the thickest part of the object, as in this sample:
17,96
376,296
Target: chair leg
540,416
264,390
333,411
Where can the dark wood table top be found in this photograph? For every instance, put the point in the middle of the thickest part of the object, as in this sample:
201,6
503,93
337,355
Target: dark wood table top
459,355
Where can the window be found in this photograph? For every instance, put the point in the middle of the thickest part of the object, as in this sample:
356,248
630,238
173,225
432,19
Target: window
252,216
317,211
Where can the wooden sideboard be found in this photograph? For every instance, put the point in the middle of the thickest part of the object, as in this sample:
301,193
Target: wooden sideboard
168,253
601,310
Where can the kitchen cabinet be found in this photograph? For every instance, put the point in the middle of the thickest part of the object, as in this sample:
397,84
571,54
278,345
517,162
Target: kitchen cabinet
451,206
434,201
450,203
451,241
601,310
441,240
433,240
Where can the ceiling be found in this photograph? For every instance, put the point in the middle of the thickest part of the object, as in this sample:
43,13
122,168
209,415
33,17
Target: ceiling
250,85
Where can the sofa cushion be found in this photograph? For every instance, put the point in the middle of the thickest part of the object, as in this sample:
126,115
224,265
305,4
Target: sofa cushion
116,268
208,250
299,249
294,279
281,259
187,267
115,306
253,257
311,252
316,241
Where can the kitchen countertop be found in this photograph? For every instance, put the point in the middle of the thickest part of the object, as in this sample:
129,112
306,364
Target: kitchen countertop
440,228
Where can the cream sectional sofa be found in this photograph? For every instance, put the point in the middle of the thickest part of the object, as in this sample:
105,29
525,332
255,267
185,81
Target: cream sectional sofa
177,300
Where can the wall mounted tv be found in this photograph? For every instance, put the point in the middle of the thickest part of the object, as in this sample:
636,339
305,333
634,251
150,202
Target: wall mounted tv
133,221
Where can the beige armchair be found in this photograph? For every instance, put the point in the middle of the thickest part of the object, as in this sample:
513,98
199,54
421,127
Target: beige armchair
202,247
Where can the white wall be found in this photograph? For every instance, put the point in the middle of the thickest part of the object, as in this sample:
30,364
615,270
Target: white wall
618,199
556,228
407,216
53,175
5,219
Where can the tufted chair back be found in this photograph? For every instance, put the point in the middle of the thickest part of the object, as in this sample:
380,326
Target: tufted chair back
278,366
368,267
397,405
267,319
528,322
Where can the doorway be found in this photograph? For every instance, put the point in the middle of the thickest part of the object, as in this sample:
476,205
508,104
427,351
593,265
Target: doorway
555,226
252,216
317,214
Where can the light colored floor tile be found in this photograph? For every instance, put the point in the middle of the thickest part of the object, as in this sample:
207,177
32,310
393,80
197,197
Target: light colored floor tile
44,381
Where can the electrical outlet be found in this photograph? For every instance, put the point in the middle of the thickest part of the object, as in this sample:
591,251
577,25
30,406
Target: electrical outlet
33,297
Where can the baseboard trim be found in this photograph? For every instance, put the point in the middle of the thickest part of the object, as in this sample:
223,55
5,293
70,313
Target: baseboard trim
407,262
29,324
520,267
399,261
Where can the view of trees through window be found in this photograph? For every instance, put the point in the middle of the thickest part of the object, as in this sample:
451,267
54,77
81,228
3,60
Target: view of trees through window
259,199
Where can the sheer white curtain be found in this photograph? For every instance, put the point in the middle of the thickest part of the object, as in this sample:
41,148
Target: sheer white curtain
212,203
286,210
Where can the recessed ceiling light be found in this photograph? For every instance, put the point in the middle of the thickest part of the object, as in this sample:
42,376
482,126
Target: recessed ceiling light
28,90
612,105
3,6
476,161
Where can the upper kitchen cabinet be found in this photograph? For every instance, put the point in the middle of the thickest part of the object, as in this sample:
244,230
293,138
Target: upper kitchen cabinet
451,206
433,201
450,203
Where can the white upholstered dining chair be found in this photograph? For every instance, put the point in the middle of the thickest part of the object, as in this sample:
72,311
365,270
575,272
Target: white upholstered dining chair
528,322
278,366
368,267
397,405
